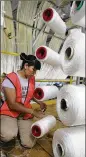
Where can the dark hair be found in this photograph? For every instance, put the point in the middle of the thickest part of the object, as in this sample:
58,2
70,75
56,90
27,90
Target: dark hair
31,60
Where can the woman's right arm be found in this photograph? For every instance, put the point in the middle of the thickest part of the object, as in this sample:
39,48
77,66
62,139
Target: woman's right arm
10,95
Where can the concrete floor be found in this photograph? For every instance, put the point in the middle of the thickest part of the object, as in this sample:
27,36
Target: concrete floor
43,147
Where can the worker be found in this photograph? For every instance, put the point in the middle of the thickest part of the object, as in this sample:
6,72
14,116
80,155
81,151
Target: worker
1,80
16,111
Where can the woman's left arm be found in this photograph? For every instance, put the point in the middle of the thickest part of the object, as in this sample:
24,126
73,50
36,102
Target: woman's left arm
42,104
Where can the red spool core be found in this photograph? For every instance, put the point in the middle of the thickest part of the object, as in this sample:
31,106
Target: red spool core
48,14
36,131
38,93
41,52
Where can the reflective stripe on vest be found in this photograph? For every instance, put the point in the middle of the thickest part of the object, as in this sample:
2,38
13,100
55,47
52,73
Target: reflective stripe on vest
15,81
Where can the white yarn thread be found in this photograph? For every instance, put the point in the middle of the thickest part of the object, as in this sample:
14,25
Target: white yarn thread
73,54
58,74
71,105
74,30
56,23
52,57
69,142
45,124
45,73
49,92
78,16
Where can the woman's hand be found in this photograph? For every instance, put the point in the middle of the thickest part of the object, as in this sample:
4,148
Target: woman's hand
38,113
42,106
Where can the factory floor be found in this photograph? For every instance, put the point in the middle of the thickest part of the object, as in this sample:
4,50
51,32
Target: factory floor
43,147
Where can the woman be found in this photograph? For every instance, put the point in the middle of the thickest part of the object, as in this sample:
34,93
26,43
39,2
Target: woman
16,111
1,80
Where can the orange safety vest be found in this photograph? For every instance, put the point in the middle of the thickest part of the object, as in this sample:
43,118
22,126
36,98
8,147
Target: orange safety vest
5,110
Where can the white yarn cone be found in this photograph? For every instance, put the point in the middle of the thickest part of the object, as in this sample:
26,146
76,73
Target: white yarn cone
52,63
54,21
71,105
46,92
78,13
47,55
69,142
43,126
73,54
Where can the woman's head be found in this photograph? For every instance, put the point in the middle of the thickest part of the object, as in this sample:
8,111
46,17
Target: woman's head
30,64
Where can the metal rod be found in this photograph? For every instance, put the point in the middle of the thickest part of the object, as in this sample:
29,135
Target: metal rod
77,80
54,80
39,35
10,53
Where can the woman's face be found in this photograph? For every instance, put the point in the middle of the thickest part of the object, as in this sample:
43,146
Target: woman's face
29,71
